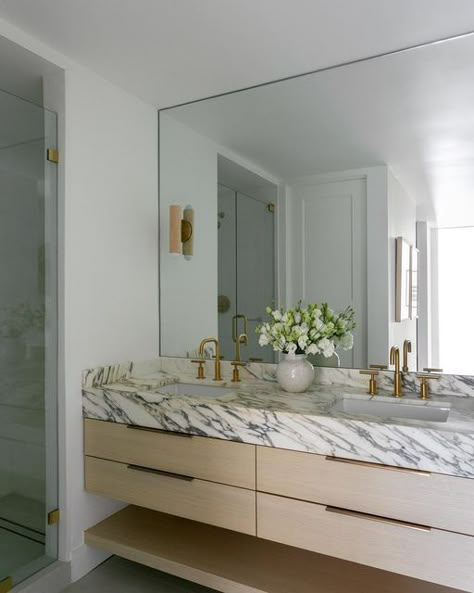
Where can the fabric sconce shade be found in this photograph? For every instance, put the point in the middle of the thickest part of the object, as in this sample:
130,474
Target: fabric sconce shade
181,231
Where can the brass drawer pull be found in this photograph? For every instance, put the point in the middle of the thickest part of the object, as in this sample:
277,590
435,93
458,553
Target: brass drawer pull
159,472
160,431
377,519
392,468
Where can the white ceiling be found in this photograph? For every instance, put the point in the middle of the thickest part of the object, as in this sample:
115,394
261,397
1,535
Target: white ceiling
170,51
413,111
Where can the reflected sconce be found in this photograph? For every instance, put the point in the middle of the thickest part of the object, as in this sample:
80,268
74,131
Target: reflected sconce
181,231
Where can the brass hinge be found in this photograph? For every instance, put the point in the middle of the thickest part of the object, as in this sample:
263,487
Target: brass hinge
52,155
6,585
271,208
53,518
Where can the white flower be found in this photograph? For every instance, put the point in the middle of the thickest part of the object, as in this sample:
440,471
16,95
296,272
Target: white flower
291,349
312,349
317,324
302,342
327,347
297,317
347,341
276,315
263,340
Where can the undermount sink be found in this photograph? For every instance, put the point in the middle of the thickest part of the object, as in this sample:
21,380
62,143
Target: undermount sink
385,408
193,390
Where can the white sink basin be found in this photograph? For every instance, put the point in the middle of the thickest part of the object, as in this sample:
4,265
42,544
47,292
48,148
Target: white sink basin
194,390
383,407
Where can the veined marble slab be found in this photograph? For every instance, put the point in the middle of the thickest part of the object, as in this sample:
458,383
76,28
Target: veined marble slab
259,412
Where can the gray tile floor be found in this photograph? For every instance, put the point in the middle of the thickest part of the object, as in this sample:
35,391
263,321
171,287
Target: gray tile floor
117,575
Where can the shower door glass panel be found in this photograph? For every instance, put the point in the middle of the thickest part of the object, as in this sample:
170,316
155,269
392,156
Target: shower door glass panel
227,279
28,338
255,269
246,271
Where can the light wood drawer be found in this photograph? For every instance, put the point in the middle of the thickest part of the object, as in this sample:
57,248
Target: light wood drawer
420,497
428,554
207,502
200,457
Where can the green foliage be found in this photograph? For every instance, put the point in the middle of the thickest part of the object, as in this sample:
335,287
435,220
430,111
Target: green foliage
311,329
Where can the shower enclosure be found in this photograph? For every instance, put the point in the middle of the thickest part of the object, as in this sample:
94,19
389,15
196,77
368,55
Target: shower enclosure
246,270
28,339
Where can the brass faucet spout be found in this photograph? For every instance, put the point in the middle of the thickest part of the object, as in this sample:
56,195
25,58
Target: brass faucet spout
217,364
242,339
395,360
406,350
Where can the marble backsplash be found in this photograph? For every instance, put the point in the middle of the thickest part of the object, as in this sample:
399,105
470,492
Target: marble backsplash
452,385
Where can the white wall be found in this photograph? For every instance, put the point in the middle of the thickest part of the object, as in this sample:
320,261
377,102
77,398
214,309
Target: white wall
109,280
111,265
425,329
402,223
188,175
188,292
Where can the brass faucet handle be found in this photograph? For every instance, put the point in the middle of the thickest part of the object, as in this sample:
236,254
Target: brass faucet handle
372,381
380,367
236,372
432,370
201,362
424,389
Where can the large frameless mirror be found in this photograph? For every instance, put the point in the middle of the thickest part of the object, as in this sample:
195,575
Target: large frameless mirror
350,186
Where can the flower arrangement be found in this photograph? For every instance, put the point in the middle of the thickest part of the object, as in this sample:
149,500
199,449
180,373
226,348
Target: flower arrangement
314,329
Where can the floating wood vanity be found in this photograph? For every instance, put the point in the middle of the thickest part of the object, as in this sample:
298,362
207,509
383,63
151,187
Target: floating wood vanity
413,523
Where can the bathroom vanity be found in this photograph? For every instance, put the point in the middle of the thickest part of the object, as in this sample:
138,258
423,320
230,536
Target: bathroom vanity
315,189
388,493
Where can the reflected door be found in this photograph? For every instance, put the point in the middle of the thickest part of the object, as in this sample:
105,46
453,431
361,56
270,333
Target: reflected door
255,270
246,271
28,339
328,228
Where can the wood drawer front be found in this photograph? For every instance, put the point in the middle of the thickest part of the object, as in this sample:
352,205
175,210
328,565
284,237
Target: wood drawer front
200,457
207,502
436,500
431,555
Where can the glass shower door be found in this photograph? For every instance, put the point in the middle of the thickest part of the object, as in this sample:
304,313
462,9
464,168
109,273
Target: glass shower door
246,271
28,339
255,269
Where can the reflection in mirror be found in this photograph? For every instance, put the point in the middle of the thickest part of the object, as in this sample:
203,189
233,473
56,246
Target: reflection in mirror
301,189
246,258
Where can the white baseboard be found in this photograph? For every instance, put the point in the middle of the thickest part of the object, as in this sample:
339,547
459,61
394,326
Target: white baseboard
53,579
84,559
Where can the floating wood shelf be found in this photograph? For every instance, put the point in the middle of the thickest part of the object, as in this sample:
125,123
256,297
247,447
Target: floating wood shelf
232,562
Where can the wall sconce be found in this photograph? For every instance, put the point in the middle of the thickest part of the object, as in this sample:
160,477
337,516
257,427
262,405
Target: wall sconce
181,231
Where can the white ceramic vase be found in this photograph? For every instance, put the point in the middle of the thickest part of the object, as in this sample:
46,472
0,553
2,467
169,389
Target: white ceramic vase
294,373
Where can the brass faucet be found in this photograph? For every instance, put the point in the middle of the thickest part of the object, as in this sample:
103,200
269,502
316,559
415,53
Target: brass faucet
406,350
217,364
242,339
395,359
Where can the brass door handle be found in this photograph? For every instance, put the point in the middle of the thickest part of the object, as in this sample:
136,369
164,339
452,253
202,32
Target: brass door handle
235,319
160,431
371,464
377,519
159,472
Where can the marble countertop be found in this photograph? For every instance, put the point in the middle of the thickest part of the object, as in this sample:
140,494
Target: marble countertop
257,411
